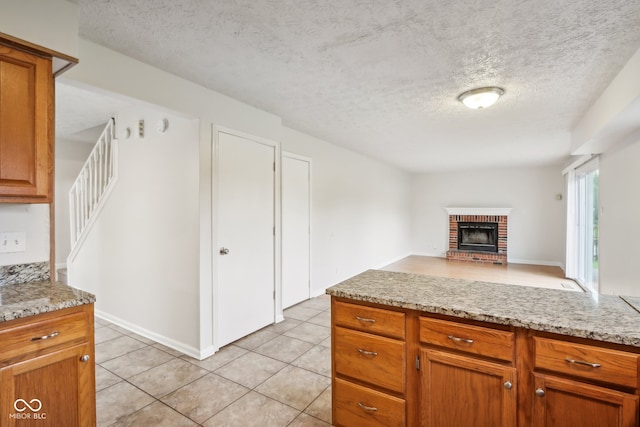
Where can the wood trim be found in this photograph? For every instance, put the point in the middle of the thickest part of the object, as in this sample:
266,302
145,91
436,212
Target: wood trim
52,186
33,48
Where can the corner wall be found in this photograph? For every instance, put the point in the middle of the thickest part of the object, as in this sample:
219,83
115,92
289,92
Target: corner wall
619,215
140,258
360,210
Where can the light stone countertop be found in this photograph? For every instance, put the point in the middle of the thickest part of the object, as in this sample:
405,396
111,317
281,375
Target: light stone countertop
29,299
600,317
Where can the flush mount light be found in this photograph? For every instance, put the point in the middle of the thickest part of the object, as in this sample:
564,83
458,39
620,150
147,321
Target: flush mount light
481,97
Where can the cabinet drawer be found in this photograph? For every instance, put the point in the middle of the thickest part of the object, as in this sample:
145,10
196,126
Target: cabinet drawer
468,338
376,360
369,319
38,335
355,405
594,363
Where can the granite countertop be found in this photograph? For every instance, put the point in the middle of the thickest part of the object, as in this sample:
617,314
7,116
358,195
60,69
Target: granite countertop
600,317
29,299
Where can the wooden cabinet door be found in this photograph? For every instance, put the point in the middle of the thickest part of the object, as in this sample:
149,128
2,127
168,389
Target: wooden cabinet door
565,403
464,391
26,111
52,389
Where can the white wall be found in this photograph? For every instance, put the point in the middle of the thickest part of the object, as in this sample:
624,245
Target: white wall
536,221
140,259
34,221
110,71
620,212
360,210
49,23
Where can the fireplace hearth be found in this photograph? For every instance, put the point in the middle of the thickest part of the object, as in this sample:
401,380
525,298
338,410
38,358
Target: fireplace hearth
478,234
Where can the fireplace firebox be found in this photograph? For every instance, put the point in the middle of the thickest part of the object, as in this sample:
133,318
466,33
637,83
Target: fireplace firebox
478,236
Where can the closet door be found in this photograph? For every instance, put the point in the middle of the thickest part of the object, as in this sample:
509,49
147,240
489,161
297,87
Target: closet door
246,235
296,229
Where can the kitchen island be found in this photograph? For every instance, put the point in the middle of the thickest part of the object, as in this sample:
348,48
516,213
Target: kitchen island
47,368
411,350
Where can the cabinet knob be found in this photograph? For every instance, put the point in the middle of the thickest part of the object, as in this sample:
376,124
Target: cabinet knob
540,392
508,385
85,358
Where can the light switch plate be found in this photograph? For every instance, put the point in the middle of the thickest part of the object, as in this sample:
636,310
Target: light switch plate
15,241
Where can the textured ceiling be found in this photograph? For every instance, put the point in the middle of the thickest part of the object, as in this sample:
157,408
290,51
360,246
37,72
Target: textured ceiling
82,113
381,77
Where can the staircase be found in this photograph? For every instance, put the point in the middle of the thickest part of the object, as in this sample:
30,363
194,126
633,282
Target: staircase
92,187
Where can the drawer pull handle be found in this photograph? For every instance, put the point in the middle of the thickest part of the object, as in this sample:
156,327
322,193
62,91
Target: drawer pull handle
367,353
85,358
508,385
458,339
540,392
580,362
367,408
365,320
46,337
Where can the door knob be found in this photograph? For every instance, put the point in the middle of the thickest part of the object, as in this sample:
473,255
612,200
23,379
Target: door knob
224,251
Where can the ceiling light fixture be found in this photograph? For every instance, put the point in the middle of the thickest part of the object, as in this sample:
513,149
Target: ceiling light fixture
481,97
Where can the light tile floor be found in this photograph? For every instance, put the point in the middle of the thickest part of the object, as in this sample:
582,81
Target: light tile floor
278,376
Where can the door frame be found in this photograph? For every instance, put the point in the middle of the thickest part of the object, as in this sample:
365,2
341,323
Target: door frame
295,156
215,244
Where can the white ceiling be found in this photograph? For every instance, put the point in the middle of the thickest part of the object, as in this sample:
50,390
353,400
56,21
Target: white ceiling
381,77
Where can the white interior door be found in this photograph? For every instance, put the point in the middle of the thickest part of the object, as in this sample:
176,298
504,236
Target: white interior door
296,228
246,224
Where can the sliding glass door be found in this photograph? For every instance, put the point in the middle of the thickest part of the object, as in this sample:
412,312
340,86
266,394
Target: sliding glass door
586,223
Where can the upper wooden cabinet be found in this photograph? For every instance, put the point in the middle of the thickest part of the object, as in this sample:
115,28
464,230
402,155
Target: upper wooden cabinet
26,143
26,121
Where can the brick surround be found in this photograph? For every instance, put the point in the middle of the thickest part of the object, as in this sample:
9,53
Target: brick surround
483,257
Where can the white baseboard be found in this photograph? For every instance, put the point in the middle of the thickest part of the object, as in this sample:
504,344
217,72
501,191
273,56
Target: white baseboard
392,261
535,262
431,254
169,342
318,292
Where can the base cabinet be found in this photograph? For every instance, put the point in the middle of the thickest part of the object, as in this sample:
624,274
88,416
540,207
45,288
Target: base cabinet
51,382
409,368
369,366
560,402
460,390
356,405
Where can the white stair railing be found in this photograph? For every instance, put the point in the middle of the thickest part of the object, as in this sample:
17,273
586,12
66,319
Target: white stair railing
94,183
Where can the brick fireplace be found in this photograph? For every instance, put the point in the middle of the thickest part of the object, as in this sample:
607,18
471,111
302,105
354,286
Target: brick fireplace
473,236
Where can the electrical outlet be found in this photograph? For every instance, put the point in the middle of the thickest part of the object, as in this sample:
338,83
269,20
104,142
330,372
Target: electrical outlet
15,241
